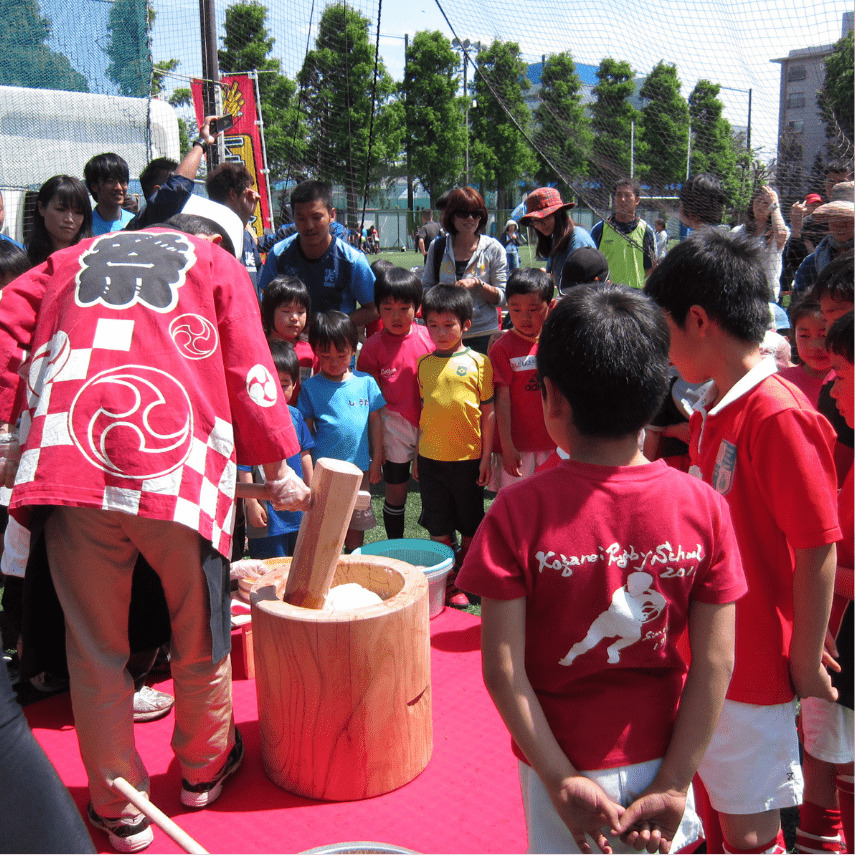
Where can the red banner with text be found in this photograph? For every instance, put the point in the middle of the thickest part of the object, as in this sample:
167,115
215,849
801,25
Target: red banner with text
242,141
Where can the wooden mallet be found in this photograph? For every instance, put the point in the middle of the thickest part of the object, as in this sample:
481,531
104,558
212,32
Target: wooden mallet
335,485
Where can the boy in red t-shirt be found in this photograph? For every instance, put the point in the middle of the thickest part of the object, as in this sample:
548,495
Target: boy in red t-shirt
761,444
589,572
521,443
391,356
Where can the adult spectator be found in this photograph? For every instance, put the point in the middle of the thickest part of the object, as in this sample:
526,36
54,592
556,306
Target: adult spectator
558,235
232,185
337,276
838,215
764,222
167,192
106,177
626,240
159,480
426,233
806,234
63,216
702,201
469,259
661,236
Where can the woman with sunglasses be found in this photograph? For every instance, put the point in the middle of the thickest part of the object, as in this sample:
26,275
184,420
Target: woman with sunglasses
471,260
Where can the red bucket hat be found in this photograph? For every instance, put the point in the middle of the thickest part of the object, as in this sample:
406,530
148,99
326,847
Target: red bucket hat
543,202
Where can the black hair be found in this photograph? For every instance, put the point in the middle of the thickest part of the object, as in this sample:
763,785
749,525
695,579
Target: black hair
156,172
606,349
836,279
443,200
13,261
563,231
703,198
660,222
398,284
626,181
530,281
802,307
723,273
380,266
448,298
838,165
839,337
104,167
310,191
226,178
284,358
285,289
69,191
333,330
194,224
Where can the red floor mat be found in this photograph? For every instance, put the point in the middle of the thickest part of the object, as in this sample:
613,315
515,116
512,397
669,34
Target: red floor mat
467,800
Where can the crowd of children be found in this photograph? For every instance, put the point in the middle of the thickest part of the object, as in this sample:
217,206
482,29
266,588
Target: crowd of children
647,633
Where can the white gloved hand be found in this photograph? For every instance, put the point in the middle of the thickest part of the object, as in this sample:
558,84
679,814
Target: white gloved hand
289,493
10,456
247,569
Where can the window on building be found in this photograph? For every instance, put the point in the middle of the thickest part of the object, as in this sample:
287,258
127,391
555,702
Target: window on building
796,99
796,125
796,72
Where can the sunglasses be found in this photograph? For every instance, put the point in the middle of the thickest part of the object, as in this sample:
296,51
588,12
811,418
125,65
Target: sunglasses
472,215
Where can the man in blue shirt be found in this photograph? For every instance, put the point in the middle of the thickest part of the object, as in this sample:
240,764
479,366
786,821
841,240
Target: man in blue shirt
337,275
106,177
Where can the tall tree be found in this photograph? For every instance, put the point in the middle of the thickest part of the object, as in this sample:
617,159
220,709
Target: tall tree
25,59
836,98
563,130
336,83
500,155
713,148
130,66
433,112
665,126
612,118
246,46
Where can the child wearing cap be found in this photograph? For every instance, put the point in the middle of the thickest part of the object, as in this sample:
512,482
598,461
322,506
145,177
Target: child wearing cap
511,240
558,235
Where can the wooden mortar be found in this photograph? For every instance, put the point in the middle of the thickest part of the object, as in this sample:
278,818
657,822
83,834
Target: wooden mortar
344,697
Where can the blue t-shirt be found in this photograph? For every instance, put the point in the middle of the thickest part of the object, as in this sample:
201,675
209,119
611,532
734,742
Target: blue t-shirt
555,265
100,226
340,279
282,522
341,413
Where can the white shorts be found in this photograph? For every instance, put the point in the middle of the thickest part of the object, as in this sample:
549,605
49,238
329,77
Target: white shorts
400,437
827,731
529,462
547,831
752,763
363,519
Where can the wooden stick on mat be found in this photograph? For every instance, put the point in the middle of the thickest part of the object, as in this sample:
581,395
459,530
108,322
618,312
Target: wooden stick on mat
153,813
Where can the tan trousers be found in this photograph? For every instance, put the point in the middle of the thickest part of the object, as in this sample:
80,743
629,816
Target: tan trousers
92,555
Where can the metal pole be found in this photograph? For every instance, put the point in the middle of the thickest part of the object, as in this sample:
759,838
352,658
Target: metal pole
210,69
632,146
466,122
407,138
749,125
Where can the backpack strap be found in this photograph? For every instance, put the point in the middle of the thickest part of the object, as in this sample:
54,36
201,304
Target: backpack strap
439,252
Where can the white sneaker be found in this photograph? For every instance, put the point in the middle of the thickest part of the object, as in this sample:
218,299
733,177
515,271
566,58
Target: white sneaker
151,704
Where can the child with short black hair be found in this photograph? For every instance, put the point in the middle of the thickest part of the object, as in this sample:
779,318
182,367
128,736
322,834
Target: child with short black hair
809,328
521,442
455,427
287,316
767,450
343,409
391,356
271,533
588,578
13,262
827,727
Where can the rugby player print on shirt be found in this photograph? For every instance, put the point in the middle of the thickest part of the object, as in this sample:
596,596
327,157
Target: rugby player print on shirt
124,268
633,605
